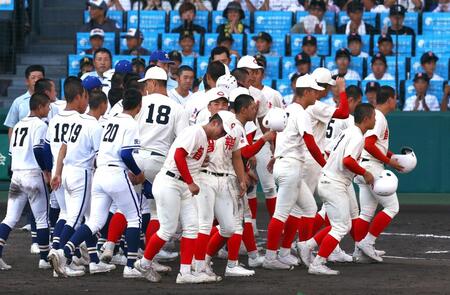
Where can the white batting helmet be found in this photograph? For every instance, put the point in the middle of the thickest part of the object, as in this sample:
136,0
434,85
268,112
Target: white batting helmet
406,158
227,83
386,184
276,119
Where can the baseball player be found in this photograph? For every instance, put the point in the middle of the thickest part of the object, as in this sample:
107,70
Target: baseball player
77,155
30,177
289,157
58,131
336,189
375,155
116,172
174,189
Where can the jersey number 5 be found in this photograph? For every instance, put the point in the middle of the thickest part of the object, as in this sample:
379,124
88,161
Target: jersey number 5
330,129
23,132
162,116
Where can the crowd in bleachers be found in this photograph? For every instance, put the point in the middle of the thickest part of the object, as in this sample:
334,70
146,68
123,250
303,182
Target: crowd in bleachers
402,45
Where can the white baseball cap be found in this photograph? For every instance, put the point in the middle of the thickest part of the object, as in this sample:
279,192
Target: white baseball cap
248,62
154,73
307,81
97,32
236,92
323,75
228,120
215,93
227,83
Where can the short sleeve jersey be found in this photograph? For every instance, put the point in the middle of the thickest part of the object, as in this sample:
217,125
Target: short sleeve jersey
381,131
320,114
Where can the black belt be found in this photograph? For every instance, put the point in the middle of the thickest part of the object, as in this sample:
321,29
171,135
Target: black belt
364,160
156,154
171,174
112,165
215,173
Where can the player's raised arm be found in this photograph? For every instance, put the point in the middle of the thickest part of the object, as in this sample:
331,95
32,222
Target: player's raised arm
343,111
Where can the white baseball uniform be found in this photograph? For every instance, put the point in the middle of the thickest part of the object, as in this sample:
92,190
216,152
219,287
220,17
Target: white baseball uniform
334,129
58,130
335,186
111,182
367,198
27,182
173,199
82,147
197,102
290,155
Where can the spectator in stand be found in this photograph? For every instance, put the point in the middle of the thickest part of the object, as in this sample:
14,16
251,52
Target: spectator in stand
86,66
138,64
428,61
413,5
385,45
227,41
96,39
281,5
443,6
356,23
247,5
185,79
384,7
314,23
134,43
303,64
152,5
397,17
421,101
342,59
234,15
177,59
332,7
18,109
379,67
97,12
371,92
187,12
221,54
102,63
121,5
445,104
369,5
309,45
187,42
263,43
199,4
161,59
355,45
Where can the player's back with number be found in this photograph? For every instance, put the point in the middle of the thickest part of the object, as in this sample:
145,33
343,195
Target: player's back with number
27,134
120,132
160,121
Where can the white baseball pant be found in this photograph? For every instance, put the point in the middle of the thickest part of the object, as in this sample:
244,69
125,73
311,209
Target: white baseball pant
27,186
111,184
174,202
311,172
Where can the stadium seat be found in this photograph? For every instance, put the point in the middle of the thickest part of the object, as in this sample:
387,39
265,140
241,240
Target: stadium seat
278,44
323,44
202,65
442,66
330,17
61,87
356,64
170,42
73,64
217,19
368,17
267,82
83,42
201,18
283,86
288,65
150,41
188,61
404,41
150,20
273,67
112,14
435,88
411,20
340,41
211,42
436,23
402,66
437,43
273,22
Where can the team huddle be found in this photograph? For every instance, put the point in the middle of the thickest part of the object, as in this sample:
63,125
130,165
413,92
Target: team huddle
132,177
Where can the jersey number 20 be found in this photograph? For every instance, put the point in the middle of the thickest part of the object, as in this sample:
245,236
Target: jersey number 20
162,116
111,132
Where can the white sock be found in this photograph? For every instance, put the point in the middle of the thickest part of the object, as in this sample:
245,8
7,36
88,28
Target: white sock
319,260
200,265
271,254
311,243
253,254
232,263
185,268
284,251
208,259
370,238
146,262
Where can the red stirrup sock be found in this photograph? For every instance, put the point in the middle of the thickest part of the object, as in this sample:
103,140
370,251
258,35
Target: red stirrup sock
290,229
117,227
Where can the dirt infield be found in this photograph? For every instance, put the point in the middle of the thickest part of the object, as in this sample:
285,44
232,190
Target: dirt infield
417,244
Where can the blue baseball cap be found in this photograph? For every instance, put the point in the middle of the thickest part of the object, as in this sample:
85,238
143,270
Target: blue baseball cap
123,66
160,56
91,82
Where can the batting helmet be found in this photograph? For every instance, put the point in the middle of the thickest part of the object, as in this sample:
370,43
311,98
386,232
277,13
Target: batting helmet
276,119
406,158
386,184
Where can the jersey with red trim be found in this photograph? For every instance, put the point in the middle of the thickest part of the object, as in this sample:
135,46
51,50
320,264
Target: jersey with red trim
381,131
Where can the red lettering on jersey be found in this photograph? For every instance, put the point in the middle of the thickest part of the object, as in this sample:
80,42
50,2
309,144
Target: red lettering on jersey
198,154
270,104
386,134
229,142
211,144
